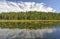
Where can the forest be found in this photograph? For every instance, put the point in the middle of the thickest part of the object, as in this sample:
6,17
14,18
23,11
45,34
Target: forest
27,17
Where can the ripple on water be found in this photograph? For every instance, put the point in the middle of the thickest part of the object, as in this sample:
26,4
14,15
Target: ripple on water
24,33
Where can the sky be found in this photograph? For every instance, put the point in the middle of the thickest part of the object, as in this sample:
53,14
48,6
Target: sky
30,5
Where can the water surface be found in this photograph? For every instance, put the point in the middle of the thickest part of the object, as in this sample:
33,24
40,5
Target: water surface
48,33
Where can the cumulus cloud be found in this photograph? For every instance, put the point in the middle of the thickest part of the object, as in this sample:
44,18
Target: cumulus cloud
7,6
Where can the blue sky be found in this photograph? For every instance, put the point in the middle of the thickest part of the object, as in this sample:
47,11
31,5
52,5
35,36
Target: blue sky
29,5
52,3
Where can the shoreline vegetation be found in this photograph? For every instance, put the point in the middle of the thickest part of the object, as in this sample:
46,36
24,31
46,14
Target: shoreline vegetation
29,20
28,24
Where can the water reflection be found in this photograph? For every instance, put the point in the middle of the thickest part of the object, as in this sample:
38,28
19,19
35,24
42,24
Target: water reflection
51,33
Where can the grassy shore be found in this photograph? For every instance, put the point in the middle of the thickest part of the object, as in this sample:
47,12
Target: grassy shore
29,20
28,24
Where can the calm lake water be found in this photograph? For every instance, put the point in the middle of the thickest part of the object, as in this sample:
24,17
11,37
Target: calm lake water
51,33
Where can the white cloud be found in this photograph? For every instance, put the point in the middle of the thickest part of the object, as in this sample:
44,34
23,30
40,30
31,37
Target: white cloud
6,6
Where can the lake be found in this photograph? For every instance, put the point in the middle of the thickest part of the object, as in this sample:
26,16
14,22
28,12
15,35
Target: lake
46,33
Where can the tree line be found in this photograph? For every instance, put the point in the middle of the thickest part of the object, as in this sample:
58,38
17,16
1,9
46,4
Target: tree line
29,16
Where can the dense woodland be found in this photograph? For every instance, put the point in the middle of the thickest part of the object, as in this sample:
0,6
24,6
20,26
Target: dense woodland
29,16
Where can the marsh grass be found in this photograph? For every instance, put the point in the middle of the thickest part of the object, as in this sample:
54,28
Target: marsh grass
28,24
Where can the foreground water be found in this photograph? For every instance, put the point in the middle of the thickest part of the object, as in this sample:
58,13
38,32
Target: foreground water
51,33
